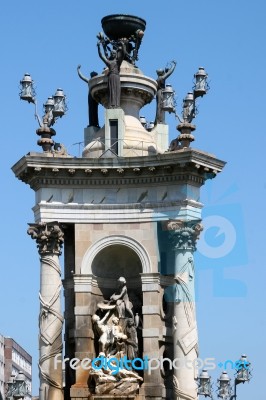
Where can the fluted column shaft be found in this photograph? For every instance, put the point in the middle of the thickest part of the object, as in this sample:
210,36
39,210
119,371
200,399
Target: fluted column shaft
49,238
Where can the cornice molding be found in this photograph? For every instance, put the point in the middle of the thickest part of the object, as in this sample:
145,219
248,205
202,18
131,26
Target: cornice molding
121,206
190,165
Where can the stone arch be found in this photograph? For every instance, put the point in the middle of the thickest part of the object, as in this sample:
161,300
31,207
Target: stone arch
92,251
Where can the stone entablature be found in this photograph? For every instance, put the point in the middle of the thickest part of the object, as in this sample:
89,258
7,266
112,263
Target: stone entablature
121,189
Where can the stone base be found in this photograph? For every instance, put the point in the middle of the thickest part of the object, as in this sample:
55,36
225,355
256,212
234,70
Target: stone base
161,132
79,392
153,390
110,397
121,388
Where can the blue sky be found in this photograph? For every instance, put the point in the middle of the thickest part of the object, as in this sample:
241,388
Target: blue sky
227,37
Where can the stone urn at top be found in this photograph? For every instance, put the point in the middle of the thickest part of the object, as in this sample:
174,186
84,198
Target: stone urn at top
135,89
119,26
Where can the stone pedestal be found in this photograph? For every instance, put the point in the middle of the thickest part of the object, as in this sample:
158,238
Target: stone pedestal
79,392
89,134
161,131
117,397
137,90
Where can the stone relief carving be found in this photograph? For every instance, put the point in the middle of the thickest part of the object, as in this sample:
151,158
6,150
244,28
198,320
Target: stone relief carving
116,337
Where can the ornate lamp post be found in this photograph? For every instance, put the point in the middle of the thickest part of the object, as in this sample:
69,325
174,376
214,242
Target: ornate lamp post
189,111
201,85
168,99
10,387
225,390
54,108
27,91
204,382
243,370
17,387
224,386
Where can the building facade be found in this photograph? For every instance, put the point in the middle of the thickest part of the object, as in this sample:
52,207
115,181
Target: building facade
16,359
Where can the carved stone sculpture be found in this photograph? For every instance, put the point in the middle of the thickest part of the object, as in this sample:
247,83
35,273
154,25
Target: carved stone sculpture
131,340
92,104
121,300
128,27
116,339
113,61
162,75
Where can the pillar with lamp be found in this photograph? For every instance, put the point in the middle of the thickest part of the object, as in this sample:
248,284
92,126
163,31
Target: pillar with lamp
189,111
54,108
225,390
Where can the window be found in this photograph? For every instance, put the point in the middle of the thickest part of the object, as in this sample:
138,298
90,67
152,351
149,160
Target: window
114,135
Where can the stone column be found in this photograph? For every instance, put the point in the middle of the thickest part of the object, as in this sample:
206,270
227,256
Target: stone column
152,332
49,238
185,337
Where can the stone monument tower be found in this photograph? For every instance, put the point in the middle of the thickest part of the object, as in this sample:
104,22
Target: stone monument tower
128,215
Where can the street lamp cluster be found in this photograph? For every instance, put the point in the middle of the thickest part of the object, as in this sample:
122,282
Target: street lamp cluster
189,108
17,387
225,391
54,108
189,103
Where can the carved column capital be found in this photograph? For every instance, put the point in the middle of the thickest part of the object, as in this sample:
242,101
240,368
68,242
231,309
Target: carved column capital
49,237
184,234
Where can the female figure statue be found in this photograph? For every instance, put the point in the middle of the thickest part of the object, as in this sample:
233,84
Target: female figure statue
92,104
113,63
132,340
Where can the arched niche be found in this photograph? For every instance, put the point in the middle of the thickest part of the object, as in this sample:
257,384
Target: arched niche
113,257
126,244
116,260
